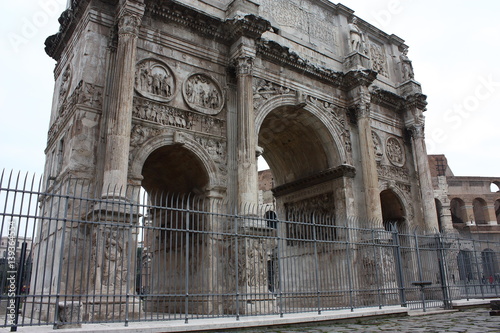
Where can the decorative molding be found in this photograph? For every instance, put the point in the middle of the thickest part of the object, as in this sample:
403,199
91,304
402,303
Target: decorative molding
386,98
172,11
248,25
283,55
359,77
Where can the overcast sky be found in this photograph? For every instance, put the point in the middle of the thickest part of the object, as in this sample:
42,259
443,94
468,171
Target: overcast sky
454,46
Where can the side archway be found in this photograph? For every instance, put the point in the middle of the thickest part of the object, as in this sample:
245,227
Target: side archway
393,212
480,209
458,211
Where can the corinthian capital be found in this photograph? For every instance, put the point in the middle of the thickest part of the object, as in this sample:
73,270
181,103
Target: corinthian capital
128,24
417,131
244,65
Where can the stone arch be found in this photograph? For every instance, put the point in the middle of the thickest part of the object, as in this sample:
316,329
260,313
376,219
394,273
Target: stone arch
393,209
495,186
480,210
333,136
180,139
458,211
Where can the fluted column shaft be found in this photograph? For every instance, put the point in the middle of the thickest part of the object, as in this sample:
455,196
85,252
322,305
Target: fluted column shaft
247,141
424,176
369,167
119,117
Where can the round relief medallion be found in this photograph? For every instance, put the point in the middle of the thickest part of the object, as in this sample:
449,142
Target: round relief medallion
154,80
395,152
202,93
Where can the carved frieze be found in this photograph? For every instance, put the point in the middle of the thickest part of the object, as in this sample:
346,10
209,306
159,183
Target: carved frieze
169,116
85,94
393,172
155,80
203,94
395,151
377,146
64,86
264,90
379,59
288,14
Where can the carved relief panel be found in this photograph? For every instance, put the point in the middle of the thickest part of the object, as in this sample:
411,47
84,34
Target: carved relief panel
64,87
395,152
203,94
377,146
155,80
378,58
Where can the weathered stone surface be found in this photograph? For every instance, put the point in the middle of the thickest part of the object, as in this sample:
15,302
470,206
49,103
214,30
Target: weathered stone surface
183,96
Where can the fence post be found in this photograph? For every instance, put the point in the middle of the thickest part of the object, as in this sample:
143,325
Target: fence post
443,272
399,265
349,265
278,255
316,263
186,319
377,277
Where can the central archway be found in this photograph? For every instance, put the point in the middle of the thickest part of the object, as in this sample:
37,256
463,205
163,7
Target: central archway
175,234
174,169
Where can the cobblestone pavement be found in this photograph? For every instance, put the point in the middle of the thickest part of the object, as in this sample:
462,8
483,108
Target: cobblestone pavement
470,321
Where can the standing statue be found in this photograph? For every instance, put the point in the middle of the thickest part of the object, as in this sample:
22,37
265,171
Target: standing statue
356,36
406,66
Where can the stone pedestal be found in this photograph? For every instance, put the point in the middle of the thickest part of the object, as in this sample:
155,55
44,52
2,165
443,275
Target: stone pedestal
70,315
356,60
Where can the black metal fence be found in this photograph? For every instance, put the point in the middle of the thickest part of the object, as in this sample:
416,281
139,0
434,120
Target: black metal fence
69,257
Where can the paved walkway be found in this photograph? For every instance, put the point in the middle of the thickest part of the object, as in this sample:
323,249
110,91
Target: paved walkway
367,320
470,321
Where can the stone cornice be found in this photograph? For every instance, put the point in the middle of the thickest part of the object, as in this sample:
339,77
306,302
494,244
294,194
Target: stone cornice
283,55
318,178
417,100
250,25
174,11
68,21
386,98
359,77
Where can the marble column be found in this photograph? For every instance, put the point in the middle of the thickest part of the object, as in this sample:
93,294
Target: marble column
119,116
369,164
246,140
424,176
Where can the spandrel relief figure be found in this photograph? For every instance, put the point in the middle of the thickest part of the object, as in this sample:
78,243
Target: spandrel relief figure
203,94
406,66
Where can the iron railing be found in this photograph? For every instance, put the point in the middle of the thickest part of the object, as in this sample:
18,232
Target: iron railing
69,256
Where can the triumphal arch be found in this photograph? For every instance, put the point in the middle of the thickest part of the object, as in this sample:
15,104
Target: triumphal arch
183,96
